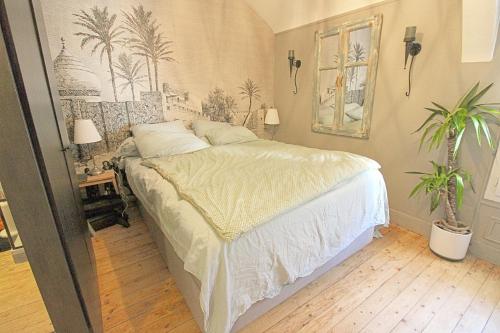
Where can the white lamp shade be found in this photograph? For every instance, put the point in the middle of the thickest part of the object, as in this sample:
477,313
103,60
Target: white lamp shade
85,132
272,117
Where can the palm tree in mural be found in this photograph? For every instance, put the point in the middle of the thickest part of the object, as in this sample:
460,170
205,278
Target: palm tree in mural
130,72
249,90
159,51
147,41
100,30
138,23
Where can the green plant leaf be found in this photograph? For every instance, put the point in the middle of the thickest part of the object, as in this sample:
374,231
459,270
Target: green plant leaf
488,104
475,121
457,143
435,200
486,130
427,120
438,136
417,189
460,189
480,94
466,98
424,135
442,109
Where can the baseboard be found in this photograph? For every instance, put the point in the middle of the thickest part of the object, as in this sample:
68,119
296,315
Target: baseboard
479,248
412,223
18,255
483,250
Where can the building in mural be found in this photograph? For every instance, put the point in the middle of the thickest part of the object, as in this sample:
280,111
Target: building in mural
118,77
74,79
79,92
178,105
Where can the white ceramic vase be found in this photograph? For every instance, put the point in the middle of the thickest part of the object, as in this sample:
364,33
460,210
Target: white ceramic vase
448,244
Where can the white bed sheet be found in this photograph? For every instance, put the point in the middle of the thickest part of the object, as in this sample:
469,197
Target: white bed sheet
235,275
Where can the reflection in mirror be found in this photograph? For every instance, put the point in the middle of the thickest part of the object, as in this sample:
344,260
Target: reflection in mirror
329,54
359,45
327,79
345,78
354,97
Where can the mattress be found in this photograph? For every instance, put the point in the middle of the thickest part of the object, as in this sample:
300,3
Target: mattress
234,275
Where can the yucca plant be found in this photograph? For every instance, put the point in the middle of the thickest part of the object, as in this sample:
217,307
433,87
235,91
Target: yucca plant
446,183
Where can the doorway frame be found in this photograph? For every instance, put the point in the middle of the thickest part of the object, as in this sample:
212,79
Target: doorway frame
37,174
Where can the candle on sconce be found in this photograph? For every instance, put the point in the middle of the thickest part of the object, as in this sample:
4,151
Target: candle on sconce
291,54
410,34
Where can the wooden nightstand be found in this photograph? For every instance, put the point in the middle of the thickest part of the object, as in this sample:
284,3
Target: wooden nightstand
107,176
102,202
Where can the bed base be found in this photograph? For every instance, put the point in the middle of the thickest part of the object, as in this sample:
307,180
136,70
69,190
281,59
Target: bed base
190,286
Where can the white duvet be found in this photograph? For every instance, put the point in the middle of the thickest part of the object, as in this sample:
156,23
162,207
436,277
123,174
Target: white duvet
234,275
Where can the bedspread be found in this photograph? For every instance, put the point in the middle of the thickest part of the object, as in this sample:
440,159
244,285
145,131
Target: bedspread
237,187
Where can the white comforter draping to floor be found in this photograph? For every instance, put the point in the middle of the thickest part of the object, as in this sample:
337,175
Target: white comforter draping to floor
234,275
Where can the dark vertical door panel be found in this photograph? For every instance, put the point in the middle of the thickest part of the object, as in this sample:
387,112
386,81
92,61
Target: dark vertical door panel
30,205
32,212
35,83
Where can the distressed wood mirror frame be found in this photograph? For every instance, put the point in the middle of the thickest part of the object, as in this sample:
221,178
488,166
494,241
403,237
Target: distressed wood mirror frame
346,68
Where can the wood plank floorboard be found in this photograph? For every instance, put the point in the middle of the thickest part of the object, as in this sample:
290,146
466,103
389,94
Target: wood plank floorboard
21,305
395,284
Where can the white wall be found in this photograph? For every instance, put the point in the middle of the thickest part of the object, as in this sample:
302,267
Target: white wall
283,15
480,20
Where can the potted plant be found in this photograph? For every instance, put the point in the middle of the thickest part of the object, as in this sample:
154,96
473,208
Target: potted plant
445,184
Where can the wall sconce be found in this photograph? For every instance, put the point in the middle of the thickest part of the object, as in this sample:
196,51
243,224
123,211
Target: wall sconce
412,48
294,63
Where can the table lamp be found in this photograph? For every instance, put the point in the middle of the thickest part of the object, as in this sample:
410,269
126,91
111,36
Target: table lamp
273,120
86,133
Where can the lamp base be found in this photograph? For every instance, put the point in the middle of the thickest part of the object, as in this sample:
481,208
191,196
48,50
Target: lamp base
95,171
274,129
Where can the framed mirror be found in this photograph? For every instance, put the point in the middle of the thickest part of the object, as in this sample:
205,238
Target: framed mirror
346,68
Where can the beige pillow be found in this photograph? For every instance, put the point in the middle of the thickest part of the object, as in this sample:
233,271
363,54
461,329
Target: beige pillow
158,144
202,126
233,134
176,126
127,149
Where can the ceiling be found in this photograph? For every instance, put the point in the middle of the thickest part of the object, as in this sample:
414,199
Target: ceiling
283,15
480,19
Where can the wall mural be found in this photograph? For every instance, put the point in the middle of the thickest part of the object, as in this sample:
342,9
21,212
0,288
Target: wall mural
119,64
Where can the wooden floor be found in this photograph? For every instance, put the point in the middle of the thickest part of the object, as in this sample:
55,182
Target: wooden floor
395,284
21,305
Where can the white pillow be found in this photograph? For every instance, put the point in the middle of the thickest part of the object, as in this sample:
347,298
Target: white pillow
233,134
158,144
176,126
202,126
354,111
127,149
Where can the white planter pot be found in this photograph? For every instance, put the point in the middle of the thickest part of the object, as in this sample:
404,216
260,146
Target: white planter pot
448,244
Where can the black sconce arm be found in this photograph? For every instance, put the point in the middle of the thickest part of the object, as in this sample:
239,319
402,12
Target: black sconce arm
412,49
294,63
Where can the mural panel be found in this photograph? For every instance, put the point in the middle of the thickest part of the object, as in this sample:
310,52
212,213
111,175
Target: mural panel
128,62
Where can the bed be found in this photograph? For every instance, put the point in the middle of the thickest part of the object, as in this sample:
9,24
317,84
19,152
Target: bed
228,284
